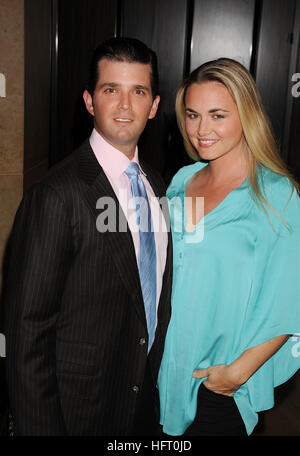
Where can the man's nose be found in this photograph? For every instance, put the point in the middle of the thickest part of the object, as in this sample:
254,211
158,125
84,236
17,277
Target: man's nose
124,100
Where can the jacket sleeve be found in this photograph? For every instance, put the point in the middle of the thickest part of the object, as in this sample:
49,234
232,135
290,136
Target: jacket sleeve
39,260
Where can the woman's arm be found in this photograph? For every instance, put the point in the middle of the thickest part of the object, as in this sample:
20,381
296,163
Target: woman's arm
223,379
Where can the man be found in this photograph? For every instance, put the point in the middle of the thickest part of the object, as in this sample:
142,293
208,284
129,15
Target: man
82,351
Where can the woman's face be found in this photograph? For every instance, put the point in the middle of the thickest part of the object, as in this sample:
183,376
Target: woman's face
212,121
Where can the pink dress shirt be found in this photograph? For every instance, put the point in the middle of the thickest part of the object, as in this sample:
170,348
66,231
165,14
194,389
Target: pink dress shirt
114,163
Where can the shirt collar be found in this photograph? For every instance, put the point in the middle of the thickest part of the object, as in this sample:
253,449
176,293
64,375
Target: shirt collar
112,160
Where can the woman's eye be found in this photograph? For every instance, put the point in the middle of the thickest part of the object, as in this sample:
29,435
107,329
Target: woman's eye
218,116
192,116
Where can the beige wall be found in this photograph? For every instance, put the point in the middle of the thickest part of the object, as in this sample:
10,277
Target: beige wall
11,115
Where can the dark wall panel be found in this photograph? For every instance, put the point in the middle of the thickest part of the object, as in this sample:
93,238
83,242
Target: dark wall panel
293,158
273,58
82,25
37,89
162,25
222,29
292,130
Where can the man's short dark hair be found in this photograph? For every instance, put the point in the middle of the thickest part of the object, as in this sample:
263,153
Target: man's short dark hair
124,50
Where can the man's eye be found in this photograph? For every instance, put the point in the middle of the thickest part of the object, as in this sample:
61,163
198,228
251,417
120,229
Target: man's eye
139,92
110,90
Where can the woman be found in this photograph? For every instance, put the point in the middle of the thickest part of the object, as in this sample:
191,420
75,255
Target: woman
236,295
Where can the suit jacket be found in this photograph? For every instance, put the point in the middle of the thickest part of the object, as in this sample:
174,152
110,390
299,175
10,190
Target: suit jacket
76,330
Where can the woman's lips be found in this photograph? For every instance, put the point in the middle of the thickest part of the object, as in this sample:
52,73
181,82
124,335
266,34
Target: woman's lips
207,142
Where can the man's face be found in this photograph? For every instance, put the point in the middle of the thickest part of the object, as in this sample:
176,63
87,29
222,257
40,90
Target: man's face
122,103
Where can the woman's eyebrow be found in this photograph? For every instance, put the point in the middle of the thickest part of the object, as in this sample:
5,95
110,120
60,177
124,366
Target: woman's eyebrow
210,111
218,109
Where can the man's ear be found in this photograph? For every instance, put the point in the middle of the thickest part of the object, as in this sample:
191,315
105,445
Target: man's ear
154,107
88,102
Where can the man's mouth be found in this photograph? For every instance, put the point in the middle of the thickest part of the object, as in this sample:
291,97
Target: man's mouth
123,119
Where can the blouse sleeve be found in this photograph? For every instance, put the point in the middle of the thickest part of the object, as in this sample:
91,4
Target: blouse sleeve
274,304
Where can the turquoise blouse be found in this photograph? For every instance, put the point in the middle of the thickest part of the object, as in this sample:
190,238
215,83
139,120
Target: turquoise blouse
236,285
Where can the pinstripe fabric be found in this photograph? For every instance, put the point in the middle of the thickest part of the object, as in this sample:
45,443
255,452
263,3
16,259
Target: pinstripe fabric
74,310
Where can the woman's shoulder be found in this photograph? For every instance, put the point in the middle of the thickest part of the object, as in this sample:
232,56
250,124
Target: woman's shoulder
278,189
282,195
182,175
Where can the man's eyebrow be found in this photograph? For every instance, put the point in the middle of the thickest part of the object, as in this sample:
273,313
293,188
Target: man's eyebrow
142,87
109,84
117,84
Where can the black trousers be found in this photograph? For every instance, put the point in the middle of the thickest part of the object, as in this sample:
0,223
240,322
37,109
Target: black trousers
217,415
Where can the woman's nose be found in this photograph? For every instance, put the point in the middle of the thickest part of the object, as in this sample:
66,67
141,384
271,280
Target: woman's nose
203,127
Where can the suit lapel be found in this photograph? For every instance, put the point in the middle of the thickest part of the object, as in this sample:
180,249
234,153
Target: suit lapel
121,245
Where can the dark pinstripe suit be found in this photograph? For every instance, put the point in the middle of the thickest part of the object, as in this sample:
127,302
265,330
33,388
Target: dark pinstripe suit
75,319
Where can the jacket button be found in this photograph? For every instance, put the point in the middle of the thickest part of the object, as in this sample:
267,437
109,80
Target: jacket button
135,389
142,341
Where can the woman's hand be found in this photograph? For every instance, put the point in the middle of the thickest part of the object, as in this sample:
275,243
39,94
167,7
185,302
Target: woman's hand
223,379
220,379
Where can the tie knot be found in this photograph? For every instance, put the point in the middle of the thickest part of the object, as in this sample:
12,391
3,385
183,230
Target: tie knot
132,170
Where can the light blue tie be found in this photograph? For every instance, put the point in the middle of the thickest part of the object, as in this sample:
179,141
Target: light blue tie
147,254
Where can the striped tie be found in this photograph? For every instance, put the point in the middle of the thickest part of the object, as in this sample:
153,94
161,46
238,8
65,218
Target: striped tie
147,254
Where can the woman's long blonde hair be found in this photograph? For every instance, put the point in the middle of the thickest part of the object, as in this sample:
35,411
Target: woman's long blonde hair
259,139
